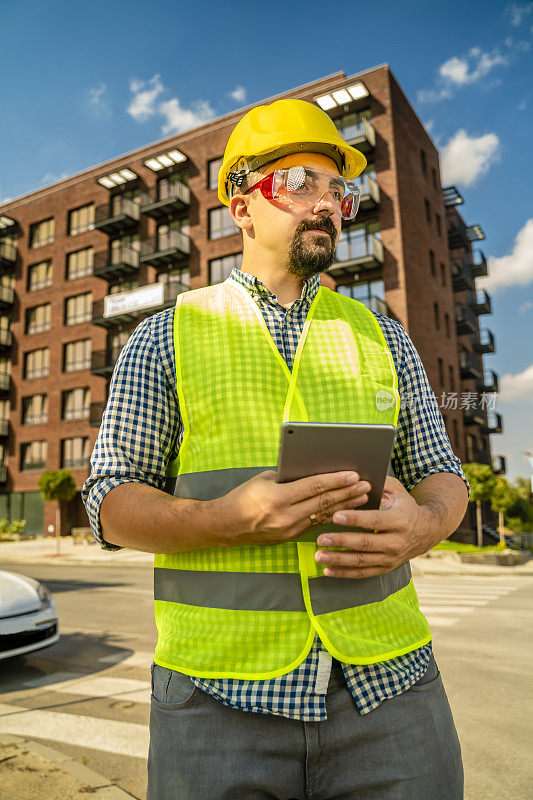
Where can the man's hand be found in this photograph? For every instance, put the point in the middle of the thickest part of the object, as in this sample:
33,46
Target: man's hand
403,529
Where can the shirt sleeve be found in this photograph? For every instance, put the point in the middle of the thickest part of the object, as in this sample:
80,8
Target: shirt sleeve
138,435
422,446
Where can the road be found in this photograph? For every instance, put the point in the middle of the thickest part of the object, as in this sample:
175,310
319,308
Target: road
88,695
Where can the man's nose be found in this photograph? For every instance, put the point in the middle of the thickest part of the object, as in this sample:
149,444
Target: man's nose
327,201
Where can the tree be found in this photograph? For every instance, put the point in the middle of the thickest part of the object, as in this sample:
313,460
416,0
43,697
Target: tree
502,498
57,485
482,481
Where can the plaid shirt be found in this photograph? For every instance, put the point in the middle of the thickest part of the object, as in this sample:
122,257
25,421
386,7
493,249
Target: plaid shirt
142,430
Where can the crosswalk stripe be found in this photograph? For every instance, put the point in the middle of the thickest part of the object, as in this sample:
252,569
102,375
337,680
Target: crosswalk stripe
111,736
112,688
137,659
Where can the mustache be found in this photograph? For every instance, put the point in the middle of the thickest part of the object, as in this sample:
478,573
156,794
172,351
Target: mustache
321,224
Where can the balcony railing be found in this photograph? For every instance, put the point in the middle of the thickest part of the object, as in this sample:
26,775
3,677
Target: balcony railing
6,339
462,278
5,382
165,248
465,320
369,192
375,304
461,235
95,416
470,365
120,215
489,382
494,423
361,135
4,427
116,262
485,342
479,455
478,265
357,253
8,254
166,200
499,465
473,416
7,296
127,306
103,361
480,303
76,463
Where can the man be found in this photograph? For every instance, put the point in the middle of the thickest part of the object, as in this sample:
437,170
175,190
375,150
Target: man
258,689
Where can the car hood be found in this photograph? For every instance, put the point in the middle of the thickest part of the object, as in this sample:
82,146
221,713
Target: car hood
18,595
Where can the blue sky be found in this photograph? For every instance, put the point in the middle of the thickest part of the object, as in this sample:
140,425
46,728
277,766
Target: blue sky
86,82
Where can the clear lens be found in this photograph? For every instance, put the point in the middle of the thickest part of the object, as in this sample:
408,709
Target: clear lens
303,186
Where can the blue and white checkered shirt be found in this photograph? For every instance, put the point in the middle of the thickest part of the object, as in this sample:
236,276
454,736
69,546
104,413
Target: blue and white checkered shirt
142,430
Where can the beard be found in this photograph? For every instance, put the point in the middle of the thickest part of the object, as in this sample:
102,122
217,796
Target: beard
309,255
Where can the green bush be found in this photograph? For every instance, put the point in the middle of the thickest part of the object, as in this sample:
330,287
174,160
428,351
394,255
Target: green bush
4,525
17,526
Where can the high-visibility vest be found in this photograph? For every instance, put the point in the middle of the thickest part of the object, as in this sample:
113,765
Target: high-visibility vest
252,611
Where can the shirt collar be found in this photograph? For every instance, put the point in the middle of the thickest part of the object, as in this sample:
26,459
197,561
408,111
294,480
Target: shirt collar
256,287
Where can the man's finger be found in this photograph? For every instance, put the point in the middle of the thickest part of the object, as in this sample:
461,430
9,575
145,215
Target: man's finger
388,544
384,520
354,560
316,485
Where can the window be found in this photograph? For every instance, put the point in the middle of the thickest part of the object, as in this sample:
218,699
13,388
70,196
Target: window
441,371
37,363
428,211
42,233
447,324
365,178
79,263
363,290
357,241
123,286
35,409
456,432
221,223
78,309
39,318
213,168
165,186
81,219
471,445
451,378
434,177
423,161
39,276
75,452
220,268
77,356
442,274
75,403
436,315
33,455
439,227
351,126
432,262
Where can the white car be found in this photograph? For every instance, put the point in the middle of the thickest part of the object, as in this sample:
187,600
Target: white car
28,616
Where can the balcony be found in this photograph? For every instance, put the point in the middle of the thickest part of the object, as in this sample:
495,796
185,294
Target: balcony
5,383
165,248
469,365
473,416
479,455
489,382
126,307
4,427
494,423
465,321
462,278
121,214
103,361
375,304
499,466
452,197
362,135
478,265
480,303
461,235
77,463
116,263
369,192
485,342
355,254
3,473
7,296
95,414
167,201
8,254
6,339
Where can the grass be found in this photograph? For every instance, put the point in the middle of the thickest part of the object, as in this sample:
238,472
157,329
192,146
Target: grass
459,547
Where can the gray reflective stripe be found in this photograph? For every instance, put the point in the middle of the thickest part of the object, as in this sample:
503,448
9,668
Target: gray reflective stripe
211,484
334,594
247,591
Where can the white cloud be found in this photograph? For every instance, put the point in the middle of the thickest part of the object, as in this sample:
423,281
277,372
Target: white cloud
517,13
466,158
516,387
145,93
238,94
523,105
525,307
182,119
515,269
97,100
52,177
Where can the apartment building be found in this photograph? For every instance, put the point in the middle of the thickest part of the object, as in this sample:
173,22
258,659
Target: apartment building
84,260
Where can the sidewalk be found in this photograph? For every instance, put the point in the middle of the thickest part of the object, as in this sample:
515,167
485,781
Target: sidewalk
43,551
29,769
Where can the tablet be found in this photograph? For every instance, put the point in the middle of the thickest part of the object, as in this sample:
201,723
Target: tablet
314,448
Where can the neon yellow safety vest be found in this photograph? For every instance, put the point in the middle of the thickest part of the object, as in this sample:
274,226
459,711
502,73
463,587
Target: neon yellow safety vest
252,611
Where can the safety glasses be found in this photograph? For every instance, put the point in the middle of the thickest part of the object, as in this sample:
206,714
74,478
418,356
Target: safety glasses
305,186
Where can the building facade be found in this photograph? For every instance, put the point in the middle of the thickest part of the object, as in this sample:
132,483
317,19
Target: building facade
83,261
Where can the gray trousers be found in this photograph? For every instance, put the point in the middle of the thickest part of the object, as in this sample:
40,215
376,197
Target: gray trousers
405,749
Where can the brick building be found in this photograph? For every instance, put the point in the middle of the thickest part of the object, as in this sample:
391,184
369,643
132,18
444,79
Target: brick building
83,261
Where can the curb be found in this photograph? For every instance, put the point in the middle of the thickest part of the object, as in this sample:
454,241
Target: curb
90,782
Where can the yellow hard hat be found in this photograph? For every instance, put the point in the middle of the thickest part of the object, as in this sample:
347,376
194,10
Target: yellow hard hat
286,126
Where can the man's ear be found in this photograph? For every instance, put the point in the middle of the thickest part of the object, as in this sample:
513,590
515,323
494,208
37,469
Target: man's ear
239,211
